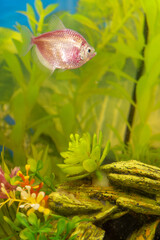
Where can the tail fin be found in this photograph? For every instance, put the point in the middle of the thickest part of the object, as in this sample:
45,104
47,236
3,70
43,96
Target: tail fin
26,38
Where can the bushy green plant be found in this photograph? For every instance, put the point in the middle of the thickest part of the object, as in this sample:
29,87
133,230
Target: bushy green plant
24,210
33,228
84,155
130,34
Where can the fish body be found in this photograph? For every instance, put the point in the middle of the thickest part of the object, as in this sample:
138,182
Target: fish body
62,49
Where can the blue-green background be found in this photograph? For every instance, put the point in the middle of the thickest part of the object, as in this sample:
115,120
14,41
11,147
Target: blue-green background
9,15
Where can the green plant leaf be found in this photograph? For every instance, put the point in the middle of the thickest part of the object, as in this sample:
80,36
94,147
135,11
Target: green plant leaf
25,234
141,135
144,92
121,92
22,219
39,7
61,226
45,229
32,23
33,163
7,86
85,21
105,152
36,155
50,8
152,54
127,51
9,238
151,16
32,219
73,237
15,68
90,165
45,154
96,153
15,179
39,165
30,16
6,45
71,224
4,165
48,180
42,237
67,118
71,170
53,176
11,223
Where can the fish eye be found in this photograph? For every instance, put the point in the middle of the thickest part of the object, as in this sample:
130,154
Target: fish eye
89,50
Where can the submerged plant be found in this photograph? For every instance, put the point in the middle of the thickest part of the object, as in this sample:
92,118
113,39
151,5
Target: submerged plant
30,198
6,178
3,181
37,221
84,155
31,227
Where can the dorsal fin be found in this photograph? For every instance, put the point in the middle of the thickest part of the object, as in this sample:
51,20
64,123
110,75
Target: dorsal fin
55,23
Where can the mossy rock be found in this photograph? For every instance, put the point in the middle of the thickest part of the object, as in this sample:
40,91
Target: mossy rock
133,190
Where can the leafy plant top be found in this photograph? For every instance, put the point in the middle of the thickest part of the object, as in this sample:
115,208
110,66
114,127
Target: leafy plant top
84,155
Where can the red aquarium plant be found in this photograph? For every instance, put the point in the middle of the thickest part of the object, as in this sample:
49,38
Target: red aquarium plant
3,181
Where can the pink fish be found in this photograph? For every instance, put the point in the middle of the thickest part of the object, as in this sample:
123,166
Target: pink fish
62,49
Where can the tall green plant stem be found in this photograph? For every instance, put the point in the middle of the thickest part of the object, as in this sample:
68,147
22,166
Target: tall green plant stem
138,76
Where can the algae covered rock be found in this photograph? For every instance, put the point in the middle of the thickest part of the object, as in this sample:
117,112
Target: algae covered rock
134,190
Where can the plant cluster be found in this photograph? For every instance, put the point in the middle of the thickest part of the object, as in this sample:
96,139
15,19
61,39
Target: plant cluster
31,227
29,191
24,192
24,189
83,156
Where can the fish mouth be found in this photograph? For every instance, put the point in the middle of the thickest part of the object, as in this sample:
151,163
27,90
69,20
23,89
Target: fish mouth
93,54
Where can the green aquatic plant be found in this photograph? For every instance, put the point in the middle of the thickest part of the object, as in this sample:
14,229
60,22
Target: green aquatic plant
130,35
84,155
31,227
24,209
26,84
96,97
